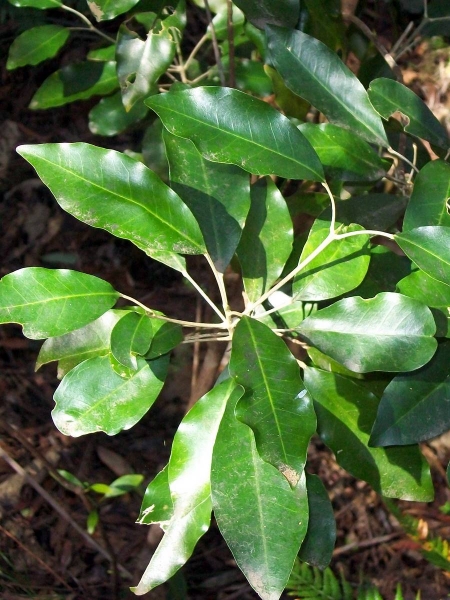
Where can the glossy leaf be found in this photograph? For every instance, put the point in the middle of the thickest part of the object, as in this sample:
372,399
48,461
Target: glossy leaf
52,302
372,211
389,96
157,505
78,81
189,476
262,519
318,545
109,117
104,10
429,248
72,348
346,410
93,397
217,194
390,332
263,12
339,268
131,336
131,202
422,287
415,406
428,204
141,63
275,405
268,143
35,45
166,336
344,155
266,241
41,4
314,72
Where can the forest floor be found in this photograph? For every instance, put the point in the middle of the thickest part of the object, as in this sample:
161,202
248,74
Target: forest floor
45,550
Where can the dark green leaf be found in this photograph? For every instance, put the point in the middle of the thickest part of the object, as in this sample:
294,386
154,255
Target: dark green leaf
275,405
131,202
141,63
415,407
428,204
51,302
76,82
74,347
267,238
109,117
389,96
291,104
93,397
251,77
165,337
131,336
108,9
262,519
41,4
157,505
263,12
189,475
35,45
422,287
314,72
385,270
216,120
153,150
220,23
390,332
344,155
346,410
429,248
372,211
318,545
218,196
326,23
326,363
339,268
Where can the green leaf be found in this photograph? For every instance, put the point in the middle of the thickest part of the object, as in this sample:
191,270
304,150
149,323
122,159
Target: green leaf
415,406
78,81
339,268
275,405
385,270
35,45
157,505
326,23
72,348
130,336
141,63
131,202
429,248
389,96
41,4
344,155
428,204
262,519
205,187
318,545
51,302
209,117
390,332
291,104
266,241
93,397
424,288
102,54
108,9
166,336
109,116
189,474
372,211
124,484
315,73
346,410
263,12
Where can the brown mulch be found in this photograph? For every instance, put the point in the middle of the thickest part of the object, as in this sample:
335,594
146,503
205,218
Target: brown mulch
42,555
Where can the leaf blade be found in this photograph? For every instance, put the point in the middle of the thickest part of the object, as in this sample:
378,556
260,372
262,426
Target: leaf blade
36,45
429,248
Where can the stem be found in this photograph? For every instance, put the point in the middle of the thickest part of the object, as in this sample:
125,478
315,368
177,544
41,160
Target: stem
333,207
222,290
155,315
215,45
88,23
341,236
195,50
205,296
403,158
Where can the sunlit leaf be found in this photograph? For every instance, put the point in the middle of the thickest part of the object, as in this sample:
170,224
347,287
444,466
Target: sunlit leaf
93,397
52,302
268,143
429,202
35,45
429,248
346,410
41,4
390,332
131,336
108,9
422,287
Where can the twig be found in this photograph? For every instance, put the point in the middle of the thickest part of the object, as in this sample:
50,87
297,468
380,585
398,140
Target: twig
215,46
359,546
59,509
88,23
